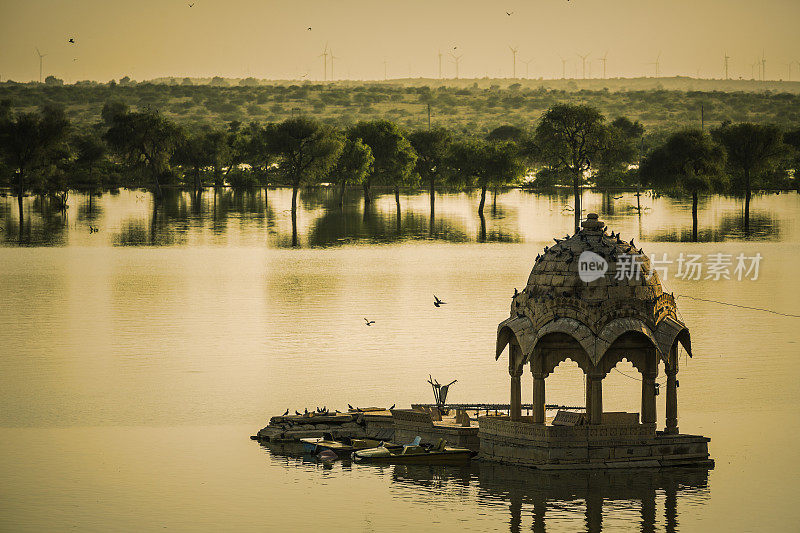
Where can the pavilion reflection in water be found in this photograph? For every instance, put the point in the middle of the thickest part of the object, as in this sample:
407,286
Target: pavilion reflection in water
651,498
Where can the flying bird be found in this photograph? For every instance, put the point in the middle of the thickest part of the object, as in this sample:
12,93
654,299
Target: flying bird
309,28
509,14
71,40
437,302
369,322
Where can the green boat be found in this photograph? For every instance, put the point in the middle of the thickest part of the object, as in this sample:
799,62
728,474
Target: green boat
414,453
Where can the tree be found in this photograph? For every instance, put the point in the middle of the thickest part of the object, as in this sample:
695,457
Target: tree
145,139
752,150
353,165
89,152
394,155
432,147
29,142
484,164
622,149
306,151
690,161
570,137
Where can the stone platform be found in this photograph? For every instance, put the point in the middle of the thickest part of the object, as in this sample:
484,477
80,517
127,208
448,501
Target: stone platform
597,446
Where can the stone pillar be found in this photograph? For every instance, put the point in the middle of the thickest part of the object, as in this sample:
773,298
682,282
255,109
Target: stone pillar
538,398
649,389
588,392
672,392
596,415
515,371
516,397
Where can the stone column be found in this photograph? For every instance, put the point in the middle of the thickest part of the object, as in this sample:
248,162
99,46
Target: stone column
649,389
538,398
588,392
515,371
596,415
516,397
672,392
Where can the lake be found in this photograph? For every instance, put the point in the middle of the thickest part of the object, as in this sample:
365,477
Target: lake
137,359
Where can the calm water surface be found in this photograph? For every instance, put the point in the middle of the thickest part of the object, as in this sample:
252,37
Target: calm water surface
137,359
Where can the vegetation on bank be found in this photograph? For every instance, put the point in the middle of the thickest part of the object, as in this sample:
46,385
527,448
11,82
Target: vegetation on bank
45,152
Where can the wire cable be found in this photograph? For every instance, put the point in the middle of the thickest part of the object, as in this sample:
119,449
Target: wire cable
737,305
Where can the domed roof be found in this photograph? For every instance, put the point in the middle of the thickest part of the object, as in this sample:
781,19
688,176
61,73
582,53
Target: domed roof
568,290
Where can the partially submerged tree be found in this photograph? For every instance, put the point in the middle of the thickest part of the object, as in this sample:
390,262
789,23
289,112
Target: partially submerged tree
571,138
145,139
306,151
752,151
353,165
394,156
690,161
432,147
29,142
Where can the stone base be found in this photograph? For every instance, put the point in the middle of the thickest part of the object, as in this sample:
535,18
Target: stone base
588,447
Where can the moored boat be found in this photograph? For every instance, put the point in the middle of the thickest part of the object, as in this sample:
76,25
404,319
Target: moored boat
414,453
342,447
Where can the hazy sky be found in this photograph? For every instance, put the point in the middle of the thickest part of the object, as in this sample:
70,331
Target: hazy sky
269,39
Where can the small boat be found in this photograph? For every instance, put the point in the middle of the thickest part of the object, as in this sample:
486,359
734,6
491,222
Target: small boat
342,447
414,453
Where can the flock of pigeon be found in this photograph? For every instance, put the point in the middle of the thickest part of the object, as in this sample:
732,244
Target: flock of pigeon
324,411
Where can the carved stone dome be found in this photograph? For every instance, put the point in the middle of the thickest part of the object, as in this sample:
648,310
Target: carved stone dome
627,297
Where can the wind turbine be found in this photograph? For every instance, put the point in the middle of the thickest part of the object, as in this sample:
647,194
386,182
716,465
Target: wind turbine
41,57
457,59
385,70
325,55
440,64
333,78
563,68
604,59
657,64
726,58
763,67
527,63
583,58
514,60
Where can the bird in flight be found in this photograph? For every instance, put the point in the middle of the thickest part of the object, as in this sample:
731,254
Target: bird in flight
309,28
71,40
191,5
437,302
509,14
369,322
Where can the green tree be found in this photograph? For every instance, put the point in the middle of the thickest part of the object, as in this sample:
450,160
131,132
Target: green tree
432,148
570,137
353,165
29,142
89,152
145,139
622,149
484,164
753,150
690,161
306,151
394,156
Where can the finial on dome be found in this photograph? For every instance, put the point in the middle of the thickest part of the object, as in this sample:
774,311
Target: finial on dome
592,223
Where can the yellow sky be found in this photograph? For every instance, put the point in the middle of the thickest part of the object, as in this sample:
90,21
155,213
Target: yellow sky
269,39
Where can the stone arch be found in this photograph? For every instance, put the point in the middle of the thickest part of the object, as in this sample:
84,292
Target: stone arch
556,347
619,328
632,346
